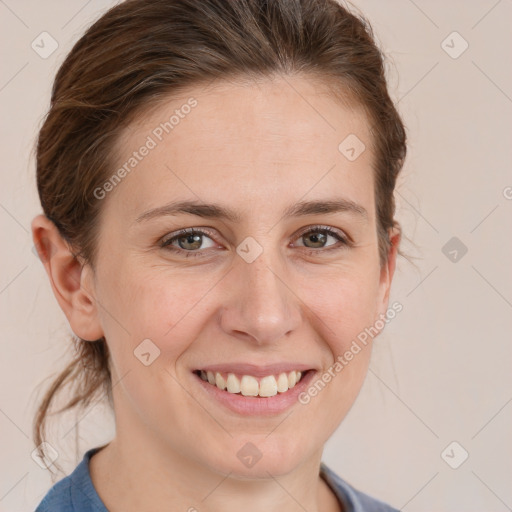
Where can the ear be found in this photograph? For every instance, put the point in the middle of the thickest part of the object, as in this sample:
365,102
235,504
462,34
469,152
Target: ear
72,282
388,270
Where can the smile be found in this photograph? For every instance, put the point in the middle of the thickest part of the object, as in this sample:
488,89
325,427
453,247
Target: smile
249,385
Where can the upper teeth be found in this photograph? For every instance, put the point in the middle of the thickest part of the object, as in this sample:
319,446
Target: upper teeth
250,386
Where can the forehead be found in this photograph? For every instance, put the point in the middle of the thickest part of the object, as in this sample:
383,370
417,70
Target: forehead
245,140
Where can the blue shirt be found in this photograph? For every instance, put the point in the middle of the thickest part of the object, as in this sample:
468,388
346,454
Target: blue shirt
76,493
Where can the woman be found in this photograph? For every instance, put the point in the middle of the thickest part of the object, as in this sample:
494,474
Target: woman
217,184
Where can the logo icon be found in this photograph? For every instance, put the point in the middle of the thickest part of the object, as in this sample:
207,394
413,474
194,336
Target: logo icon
454,455
351,147
454,45
146,352
454,249
44,45
249,455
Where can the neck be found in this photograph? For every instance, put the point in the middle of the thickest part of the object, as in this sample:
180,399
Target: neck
138,477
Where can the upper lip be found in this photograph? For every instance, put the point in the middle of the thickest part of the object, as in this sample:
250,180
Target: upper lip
255,370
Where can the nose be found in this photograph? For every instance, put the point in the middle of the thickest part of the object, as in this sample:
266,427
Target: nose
260,306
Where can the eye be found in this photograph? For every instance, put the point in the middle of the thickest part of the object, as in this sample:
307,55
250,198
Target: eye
188,240
316,237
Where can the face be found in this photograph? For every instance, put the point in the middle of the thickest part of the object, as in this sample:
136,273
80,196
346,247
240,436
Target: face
264,282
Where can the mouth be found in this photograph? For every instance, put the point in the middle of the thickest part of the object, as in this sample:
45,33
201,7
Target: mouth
250,385
253,391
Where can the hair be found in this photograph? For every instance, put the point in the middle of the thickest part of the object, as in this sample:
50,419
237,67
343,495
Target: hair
141,52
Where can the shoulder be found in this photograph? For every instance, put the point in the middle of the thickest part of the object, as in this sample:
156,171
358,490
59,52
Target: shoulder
74,493
352,499
58,498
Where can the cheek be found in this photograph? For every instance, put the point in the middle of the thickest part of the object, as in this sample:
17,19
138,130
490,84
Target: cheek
171,309
342,312
152,320
154,304
344,304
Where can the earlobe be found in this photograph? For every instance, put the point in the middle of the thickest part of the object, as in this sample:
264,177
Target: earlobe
69,279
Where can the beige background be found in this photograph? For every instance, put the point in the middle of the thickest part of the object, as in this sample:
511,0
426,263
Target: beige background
440,372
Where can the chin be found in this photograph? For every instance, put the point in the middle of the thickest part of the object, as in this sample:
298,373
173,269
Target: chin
261,456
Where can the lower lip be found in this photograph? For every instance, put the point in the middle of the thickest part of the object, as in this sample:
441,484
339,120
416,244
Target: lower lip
254,405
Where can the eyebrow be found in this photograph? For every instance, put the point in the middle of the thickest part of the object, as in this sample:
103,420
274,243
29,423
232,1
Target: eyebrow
215,211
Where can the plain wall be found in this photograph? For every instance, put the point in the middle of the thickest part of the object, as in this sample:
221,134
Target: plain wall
440,371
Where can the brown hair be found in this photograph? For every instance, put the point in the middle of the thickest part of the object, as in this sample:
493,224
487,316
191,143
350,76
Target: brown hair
143,51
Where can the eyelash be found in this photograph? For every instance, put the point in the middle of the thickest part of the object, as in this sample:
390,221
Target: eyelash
166,244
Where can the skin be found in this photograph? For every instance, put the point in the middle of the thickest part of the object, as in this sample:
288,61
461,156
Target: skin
255,148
